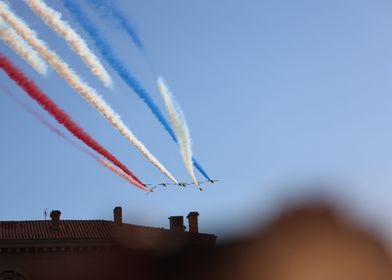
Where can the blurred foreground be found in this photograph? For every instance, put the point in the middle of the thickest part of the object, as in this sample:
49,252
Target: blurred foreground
306,243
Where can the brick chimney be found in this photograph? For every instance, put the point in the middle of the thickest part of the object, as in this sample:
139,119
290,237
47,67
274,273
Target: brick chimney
117,213
55,216
193,222
177,223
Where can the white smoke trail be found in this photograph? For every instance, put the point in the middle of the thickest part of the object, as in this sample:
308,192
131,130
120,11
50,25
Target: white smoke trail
53,19
15,42
178,123
74,81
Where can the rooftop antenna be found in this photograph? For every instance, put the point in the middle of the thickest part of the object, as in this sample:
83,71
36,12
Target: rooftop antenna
45,213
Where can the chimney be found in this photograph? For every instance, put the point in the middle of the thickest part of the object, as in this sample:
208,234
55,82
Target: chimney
193,222
117,213
177,223
55,216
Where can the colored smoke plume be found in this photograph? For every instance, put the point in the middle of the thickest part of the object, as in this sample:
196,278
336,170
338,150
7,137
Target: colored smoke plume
24,50
178,123
53,19
56,112
115,13
60,134
123,175
74,81
108,54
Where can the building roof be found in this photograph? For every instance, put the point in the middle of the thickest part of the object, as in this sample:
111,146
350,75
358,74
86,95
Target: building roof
81,229
97,233
42,230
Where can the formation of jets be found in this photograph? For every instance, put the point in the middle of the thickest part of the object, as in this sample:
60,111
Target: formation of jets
180,184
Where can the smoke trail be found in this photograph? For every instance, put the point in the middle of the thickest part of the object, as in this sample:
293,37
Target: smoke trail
53,19
110,7
73,80
58,132
108,54
177,121
112,168
123,175
56,112
15,42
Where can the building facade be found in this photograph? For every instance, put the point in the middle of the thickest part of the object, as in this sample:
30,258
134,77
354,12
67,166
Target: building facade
94,249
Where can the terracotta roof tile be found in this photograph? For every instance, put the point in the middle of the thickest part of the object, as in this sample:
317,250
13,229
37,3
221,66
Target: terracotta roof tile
69,229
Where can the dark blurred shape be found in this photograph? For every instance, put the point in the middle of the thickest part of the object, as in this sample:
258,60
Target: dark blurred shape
193,222
117,215
55,222
177,223
306,243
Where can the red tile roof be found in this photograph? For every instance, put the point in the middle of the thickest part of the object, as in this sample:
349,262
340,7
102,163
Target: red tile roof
69,229
91,230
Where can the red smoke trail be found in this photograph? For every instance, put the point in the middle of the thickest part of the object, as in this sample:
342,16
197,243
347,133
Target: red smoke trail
56,112
122,174
59,133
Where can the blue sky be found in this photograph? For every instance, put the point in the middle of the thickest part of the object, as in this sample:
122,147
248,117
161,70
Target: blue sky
284,99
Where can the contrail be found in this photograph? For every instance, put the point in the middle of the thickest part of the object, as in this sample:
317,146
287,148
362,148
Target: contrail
57,113
178,123
53,19
74,81
15,42
110,7
108,54
58,132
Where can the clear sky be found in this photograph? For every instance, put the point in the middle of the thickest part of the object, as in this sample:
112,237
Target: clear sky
284,100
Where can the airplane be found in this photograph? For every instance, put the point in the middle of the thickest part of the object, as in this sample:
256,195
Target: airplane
212,181
152,189
183,184
149,190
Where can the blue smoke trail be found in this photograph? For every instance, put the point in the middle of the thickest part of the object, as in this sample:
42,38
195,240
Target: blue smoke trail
105,7
108,54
